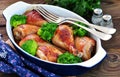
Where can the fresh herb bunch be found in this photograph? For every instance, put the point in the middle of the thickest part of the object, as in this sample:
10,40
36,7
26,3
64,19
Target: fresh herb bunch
68,58
47,30
82,7
17,20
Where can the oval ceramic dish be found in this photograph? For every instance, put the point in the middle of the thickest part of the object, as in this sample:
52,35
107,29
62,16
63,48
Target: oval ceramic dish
61,69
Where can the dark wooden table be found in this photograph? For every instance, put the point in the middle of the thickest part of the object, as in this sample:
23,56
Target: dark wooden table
110,67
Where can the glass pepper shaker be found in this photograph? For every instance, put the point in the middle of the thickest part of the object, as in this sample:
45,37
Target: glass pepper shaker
97,16
107,21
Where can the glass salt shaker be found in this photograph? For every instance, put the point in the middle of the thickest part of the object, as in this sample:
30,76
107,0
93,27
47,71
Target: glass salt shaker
107,21
97,16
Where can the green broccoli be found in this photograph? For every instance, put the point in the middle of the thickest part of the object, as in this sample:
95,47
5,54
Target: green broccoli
68,58
17,20
30,46
47,30
79,31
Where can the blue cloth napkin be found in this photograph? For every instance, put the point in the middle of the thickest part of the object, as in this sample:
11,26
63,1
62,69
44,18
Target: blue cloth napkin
12,62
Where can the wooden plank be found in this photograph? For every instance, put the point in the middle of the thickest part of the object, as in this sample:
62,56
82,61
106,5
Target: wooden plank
3,32
111,7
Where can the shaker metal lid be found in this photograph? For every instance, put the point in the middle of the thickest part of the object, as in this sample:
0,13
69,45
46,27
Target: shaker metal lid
98,11
107,17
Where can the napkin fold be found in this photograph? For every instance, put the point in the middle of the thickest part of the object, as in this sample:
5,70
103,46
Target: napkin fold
12,62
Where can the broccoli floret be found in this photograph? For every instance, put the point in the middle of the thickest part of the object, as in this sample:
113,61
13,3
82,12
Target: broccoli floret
17,20
78,31
47,30
30,46
68,58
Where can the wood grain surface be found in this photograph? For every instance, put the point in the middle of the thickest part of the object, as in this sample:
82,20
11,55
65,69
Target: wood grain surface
110,67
